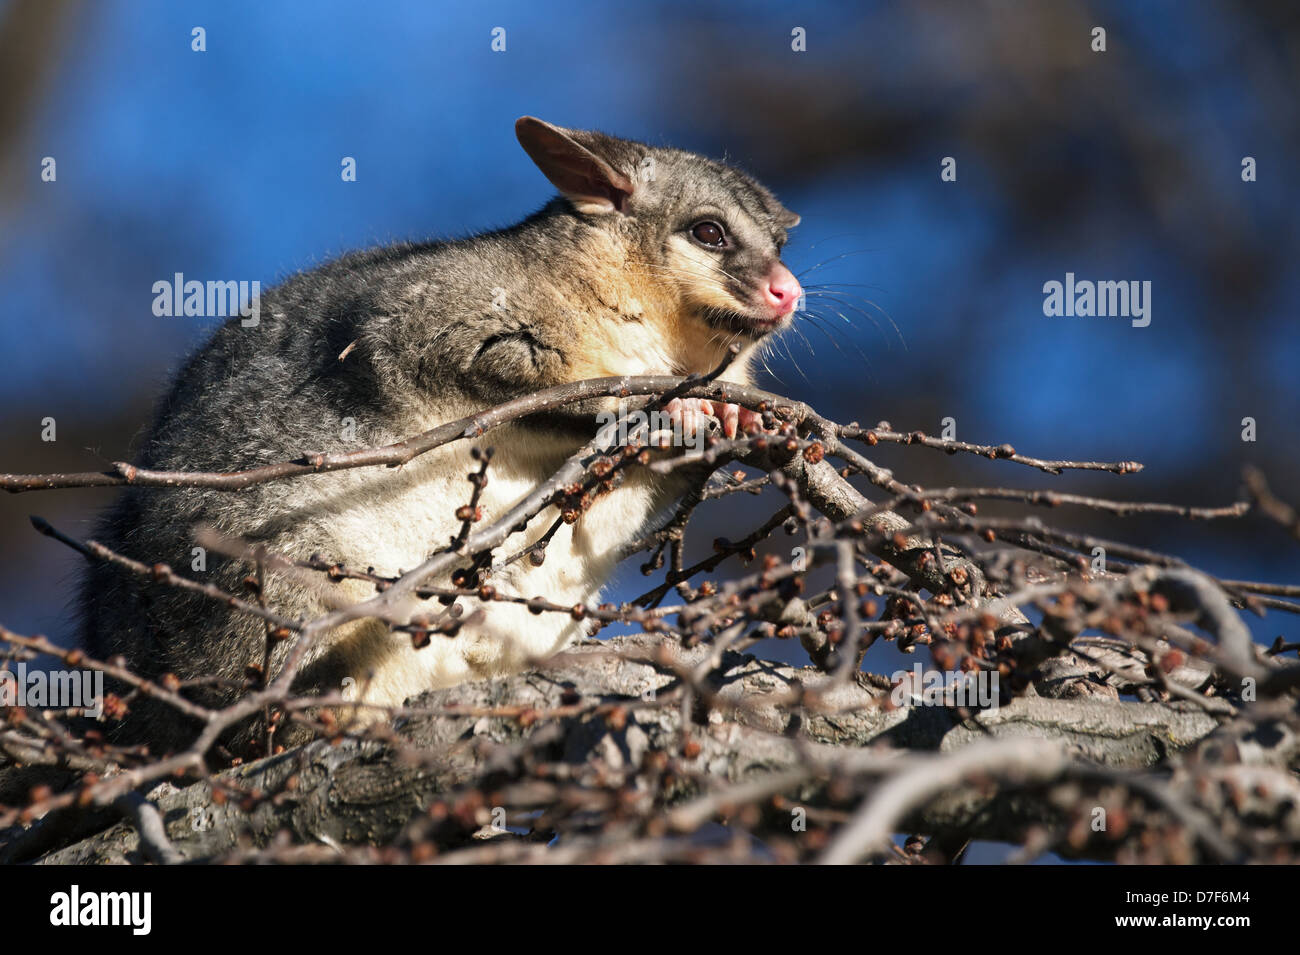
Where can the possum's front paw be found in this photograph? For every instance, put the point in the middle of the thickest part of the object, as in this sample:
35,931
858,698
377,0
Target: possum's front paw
689,414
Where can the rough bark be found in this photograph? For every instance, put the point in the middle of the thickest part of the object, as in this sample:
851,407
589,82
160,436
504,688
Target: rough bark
366,792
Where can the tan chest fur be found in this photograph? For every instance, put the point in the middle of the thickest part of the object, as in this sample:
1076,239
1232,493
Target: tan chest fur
393,521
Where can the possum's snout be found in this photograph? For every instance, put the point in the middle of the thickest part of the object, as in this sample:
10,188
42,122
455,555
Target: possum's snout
781,291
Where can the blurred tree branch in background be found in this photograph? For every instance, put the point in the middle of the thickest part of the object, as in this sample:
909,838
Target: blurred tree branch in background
31,34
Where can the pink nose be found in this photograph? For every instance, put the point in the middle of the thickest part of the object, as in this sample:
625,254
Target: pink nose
781,291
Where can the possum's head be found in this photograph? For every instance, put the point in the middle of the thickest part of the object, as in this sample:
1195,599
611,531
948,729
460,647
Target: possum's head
706,236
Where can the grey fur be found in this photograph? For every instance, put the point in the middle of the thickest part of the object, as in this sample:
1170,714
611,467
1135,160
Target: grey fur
429,343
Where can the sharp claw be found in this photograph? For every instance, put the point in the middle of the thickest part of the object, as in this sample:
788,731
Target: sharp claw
730,420
690,413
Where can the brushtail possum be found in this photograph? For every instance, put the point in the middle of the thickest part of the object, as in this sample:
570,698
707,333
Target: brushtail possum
650,261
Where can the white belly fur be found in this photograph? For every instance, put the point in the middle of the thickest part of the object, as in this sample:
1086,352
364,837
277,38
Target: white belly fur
393,520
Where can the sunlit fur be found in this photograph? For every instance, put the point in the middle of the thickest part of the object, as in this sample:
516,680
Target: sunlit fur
438,331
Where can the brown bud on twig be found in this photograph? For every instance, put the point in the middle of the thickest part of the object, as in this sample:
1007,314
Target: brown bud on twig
115,707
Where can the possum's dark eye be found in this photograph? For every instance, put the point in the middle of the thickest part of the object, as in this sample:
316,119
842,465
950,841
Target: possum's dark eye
709,233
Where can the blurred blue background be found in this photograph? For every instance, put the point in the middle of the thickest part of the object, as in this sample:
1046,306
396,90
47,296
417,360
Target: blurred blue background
1120,165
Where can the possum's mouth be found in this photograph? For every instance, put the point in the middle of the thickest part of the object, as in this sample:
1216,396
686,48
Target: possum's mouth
751,324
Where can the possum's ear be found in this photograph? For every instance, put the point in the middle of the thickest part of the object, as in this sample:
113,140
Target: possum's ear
585,179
